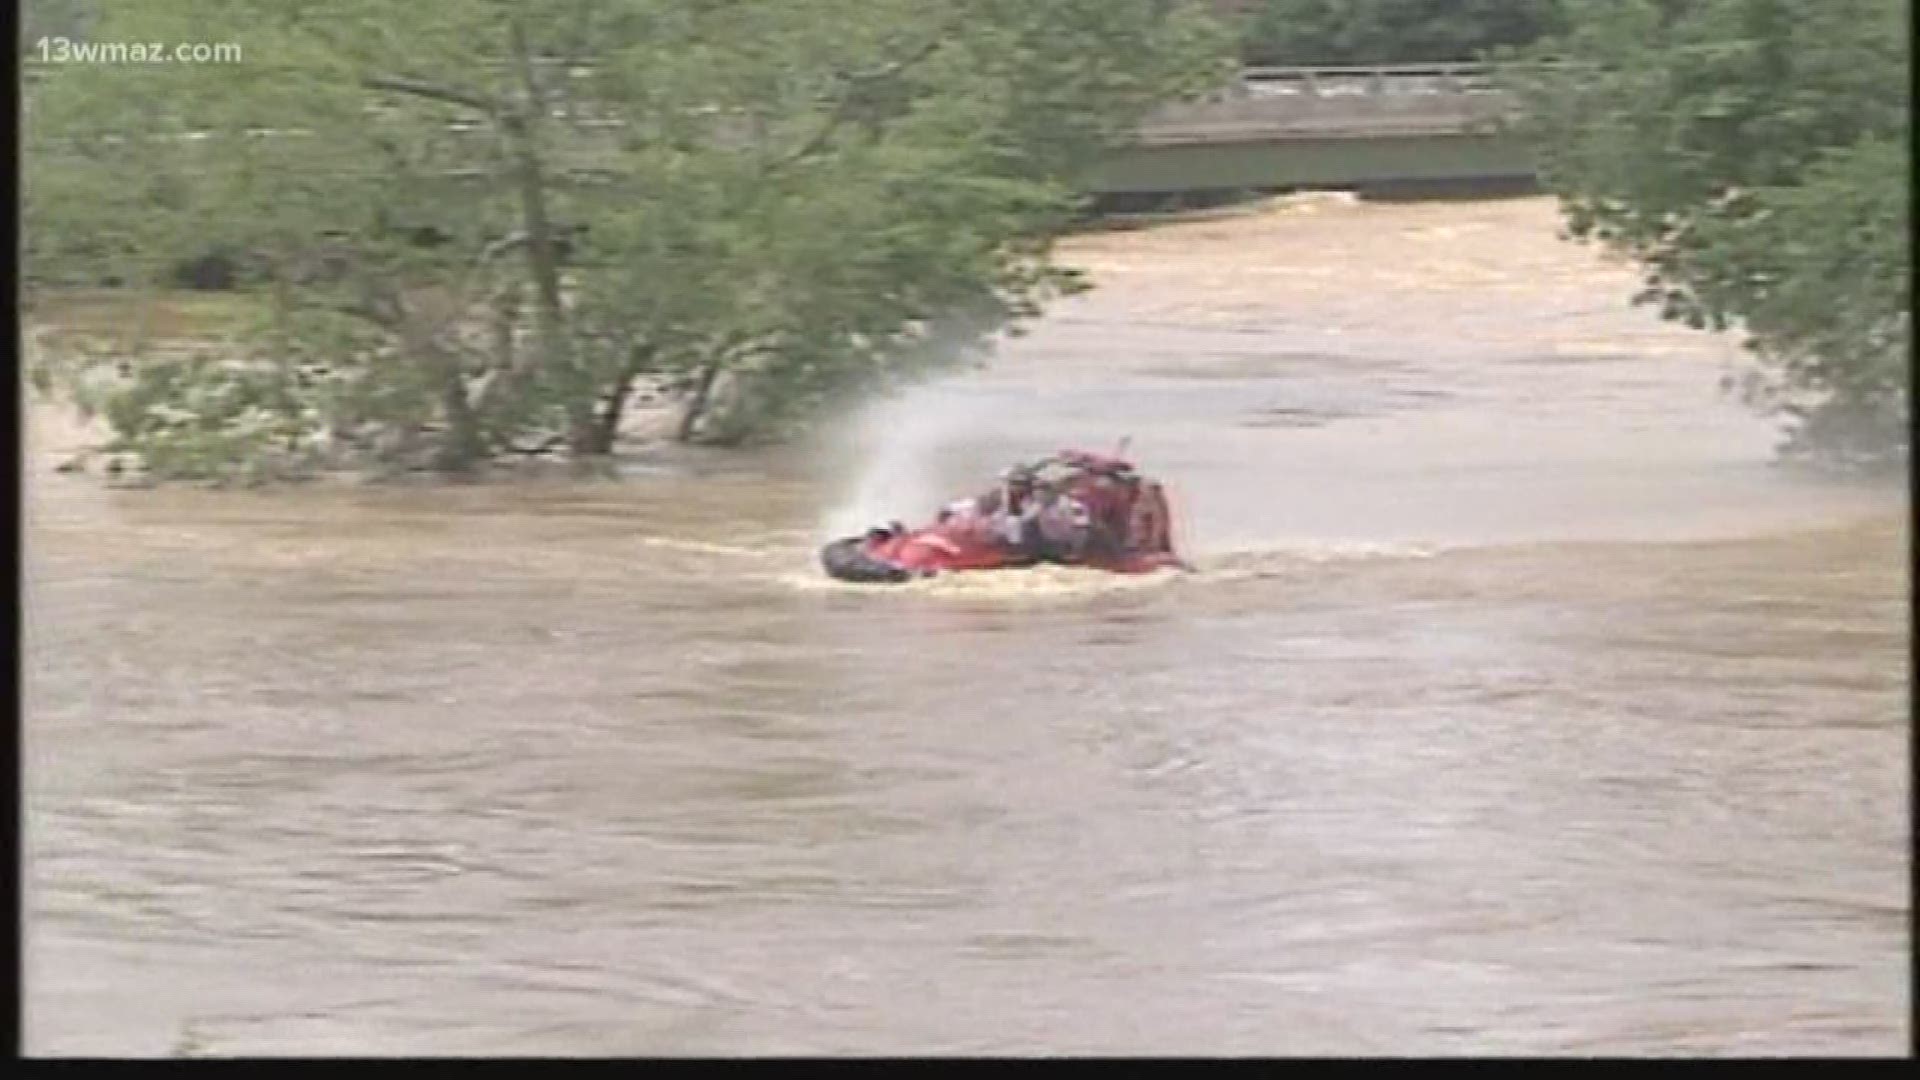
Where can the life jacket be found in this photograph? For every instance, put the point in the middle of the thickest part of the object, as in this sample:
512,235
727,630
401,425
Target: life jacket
1062,525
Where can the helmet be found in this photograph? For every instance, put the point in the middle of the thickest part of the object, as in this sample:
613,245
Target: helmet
1021,476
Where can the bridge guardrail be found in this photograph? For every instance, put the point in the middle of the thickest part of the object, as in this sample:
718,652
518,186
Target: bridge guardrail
1335,101
1342,80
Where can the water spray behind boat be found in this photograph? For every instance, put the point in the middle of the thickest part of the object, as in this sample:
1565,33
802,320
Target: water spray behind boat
907,453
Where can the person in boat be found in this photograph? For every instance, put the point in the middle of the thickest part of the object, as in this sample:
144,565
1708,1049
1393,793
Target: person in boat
1074,532
1108,497
1045,525
1011,511
1101,540
1064,527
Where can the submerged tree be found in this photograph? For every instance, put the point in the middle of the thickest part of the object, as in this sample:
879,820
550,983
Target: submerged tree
476,225
1753,156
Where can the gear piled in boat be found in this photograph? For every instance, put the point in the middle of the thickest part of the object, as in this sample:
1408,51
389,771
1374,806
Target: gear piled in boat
1074,509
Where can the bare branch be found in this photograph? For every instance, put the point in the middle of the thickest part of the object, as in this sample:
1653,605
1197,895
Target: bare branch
432,91
851,84
529,81
493,250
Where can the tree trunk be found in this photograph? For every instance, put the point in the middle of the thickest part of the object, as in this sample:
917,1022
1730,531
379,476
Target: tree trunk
702,396
549,314
606,426
583,431
464,447
505,311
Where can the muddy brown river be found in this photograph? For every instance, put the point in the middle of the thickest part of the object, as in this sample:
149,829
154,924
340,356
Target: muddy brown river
1518,705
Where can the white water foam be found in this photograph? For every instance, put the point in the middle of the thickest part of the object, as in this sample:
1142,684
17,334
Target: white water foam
901,443
701,547
1041,583
1031,584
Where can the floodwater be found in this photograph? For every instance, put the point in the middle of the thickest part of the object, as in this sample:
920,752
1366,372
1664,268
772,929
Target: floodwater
1518,706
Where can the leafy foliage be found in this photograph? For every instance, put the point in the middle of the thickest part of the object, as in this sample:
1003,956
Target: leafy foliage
1309,32
1752,154
489,221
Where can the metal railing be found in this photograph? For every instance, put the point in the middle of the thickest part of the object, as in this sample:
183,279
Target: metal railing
1381,80
1338,101
1384,79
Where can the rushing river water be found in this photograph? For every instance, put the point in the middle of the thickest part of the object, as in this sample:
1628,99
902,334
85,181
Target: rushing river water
1518,705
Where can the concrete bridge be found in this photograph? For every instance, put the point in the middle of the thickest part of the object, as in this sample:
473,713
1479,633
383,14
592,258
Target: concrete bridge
1326,126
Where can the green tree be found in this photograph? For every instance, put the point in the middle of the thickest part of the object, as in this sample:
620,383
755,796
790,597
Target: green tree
69,19
1752,155
477,224
1308,32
